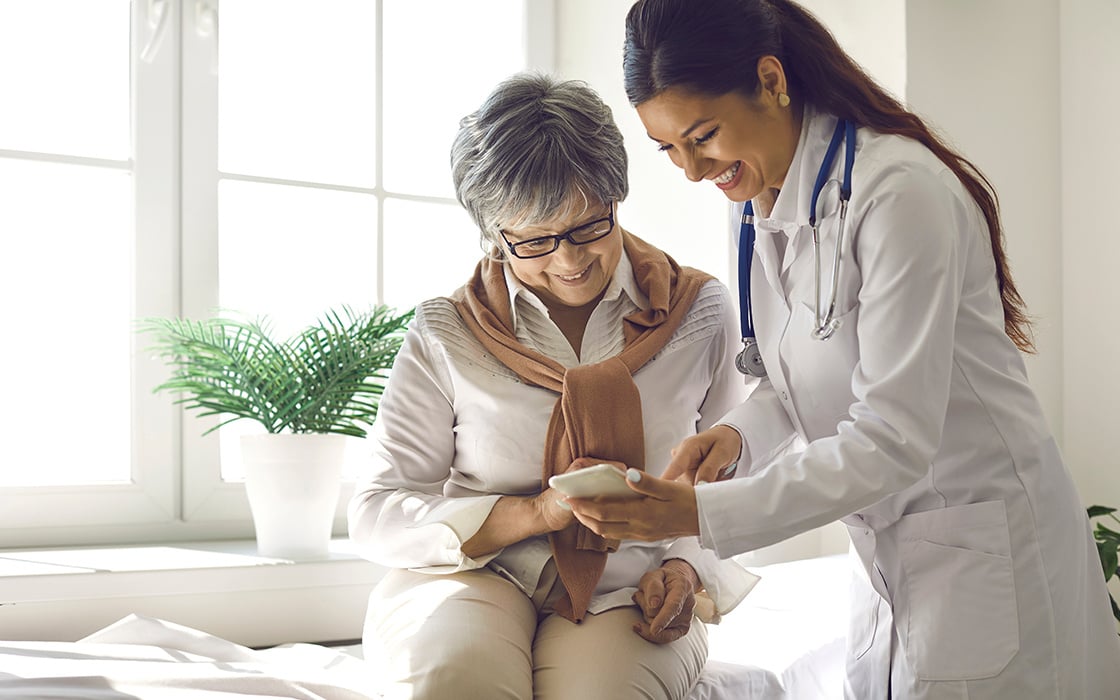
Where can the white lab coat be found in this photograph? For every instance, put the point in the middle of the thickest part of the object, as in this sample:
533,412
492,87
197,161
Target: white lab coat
976,576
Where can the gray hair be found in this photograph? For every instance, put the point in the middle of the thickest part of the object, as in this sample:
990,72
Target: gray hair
537,149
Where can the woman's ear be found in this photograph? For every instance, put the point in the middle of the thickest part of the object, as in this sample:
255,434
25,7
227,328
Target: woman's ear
772,85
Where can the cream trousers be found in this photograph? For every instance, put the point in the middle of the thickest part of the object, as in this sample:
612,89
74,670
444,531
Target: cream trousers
475,636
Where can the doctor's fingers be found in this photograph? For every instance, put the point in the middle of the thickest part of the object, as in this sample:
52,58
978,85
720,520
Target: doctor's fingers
613,520
685,458
645,519
706,455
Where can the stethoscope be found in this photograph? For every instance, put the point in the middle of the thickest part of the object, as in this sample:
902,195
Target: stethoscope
749,359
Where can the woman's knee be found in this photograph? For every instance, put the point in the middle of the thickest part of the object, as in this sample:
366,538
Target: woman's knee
604,657
466,635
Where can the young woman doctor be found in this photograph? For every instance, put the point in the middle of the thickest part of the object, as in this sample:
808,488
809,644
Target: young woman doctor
889,335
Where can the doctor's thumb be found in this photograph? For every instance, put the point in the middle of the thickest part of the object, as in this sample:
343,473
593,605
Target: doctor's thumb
645,484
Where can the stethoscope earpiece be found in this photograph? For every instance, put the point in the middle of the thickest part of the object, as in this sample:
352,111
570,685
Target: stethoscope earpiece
825,332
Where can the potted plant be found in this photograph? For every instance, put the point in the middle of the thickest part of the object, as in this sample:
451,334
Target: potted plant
1108,547
309,392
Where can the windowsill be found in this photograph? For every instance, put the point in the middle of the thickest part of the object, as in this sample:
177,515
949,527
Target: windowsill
224,588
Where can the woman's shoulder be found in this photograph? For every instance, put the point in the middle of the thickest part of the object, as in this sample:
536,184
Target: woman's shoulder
707,316
438,322
442,331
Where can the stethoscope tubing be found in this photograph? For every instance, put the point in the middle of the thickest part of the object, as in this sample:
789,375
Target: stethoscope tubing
749,360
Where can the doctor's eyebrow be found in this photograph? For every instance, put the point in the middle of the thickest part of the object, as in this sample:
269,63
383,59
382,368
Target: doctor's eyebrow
692,127
684,134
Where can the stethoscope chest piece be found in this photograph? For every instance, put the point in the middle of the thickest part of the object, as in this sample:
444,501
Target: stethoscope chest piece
749,359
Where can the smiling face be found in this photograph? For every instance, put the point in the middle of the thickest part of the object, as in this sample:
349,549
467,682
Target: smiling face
742,144
572,275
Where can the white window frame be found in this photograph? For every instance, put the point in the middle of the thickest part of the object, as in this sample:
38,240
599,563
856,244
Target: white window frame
177,493
34,516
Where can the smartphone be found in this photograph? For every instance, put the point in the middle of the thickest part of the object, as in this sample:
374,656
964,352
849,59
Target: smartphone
598,480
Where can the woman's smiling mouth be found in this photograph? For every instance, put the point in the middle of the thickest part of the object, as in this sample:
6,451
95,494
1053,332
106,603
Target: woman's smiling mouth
730,177
576,278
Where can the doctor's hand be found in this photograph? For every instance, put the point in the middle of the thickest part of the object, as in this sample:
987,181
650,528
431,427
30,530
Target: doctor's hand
708,456
667,597
668,509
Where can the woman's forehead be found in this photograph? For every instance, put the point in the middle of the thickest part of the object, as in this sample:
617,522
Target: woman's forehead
573,212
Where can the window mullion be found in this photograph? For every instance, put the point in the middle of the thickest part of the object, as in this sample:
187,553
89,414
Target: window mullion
155,126
205,495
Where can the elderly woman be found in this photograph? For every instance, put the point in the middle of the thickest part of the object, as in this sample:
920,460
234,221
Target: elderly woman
574,343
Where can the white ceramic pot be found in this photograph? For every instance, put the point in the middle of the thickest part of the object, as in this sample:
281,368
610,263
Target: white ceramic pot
293,481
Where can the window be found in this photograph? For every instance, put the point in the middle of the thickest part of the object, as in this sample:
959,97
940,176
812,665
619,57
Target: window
173,157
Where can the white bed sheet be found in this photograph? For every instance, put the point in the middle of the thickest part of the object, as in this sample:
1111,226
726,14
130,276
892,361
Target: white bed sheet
786,639
784,642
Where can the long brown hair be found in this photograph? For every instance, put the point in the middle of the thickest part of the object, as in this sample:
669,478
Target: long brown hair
702,45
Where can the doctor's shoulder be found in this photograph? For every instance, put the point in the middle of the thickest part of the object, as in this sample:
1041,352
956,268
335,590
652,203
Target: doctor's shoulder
883,158
896,168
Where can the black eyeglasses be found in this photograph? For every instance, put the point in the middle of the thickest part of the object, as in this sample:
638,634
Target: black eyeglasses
545,245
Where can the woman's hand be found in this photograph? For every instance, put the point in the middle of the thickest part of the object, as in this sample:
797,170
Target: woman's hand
706,456
552,510
666,597
668,509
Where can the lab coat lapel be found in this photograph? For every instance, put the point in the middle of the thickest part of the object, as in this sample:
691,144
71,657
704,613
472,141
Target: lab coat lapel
796,195
767,252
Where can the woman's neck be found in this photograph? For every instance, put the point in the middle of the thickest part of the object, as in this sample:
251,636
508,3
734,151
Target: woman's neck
572,320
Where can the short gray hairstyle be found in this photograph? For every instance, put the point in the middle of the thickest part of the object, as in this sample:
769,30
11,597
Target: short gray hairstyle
537,149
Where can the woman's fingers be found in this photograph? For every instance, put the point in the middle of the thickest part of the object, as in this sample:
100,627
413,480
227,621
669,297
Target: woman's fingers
651,593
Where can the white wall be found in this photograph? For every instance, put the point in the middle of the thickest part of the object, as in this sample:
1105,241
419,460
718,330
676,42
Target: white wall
1027,90
688,220
1089,102
994,95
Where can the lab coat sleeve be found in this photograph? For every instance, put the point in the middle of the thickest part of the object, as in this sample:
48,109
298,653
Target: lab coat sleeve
910,228
398,516
763,426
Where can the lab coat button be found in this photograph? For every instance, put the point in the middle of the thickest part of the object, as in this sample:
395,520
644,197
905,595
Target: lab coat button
784,395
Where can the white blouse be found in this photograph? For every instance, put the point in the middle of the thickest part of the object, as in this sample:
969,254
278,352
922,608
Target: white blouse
456,429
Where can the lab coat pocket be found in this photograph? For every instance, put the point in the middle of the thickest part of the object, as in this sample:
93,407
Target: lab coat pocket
960,620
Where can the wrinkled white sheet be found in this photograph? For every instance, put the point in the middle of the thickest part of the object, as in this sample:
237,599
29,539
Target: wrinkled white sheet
147,658
785,641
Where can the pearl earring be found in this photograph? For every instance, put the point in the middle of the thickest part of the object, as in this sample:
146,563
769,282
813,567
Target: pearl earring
783,99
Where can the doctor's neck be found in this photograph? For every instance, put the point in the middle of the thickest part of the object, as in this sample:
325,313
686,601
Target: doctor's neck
765,200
